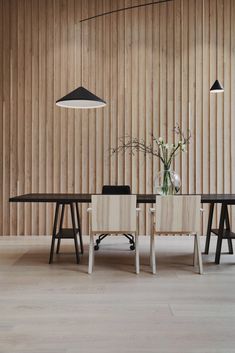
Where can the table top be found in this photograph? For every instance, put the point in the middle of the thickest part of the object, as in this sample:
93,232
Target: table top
86,198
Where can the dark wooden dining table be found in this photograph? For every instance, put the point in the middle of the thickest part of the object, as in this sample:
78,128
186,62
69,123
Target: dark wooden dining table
223,231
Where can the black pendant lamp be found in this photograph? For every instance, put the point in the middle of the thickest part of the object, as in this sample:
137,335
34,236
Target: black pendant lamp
81,98
216,87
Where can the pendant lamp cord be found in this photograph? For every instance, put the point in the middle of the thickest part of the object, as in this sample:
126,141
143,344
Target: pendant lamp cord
81,49
217,73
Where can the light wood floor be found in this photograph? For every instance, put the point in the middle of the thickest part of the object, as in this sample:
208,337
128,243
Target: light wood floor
60,309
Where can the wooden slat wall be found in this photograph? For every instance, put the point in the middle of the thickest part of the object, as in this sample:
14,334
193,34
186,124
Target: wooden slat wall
154,66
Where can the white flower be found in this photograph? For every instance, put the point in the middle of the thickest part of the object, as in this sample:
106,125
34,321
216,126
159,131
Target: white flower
166,146
160,140
183,148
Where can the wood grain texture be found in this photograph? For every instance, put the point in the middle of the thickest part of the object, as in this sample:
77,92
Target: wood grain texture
154,67
177,214
124,312
113,213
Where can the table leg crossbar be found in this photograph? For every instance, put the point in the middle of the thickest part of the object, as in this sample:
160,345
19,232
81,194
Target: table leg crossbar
66,233
223,232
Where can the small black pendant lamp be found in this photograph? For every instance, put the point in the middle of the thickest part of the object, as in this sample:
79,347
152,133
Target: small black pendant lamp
216,87
81,98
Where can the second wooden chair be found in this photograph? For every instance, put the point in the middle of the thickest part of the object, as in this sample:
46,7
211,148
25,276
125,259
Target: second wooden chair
177,215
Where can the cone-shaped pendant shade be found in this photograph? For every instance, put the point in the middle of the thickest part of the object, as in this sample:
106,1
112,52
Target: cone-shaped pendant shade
216,87
81,98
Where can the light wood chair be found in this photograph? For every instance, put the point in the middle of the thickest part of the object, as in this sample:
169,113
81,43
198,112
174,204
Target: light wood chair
116,190
176,215
113,214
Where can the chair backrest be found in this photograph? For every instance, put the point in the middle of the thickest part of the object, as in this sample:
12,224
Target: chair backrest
177,214
116,190
113,213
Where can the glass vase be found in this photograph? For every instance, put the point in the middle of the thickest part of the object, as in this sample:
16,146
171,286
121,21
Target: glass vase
167,182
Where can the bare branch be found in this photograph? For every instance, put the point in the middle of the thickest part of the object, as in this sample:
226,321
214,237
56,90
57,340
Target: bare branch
155,148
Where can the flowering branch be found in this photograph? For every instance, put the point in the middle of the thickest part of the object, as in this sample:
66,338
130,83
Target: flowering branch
136,145
157,148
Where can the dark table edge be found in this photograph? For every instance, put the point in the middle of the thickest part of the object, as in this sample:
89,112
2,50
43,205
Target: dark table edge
141,198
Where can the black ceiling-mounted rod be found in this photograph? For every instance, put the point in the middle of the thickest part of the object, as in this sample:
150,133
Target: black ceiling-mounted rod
124,9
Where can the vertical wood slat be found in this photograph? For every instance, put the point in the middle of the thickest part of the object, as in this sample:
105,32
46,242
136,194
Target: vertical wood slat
177,74
185,89
148,63
28,113
77,114
142,104
57,95
149,104
35,113
49,108
206,107
226,59
134,93
21,114
107,94
42,112
92,83
213,98
13,114
156,82
198,127
127,82
232,101
64,90
71,86
121,67
1,118
85,114
6,115
191,93
113,95
98,176
198,118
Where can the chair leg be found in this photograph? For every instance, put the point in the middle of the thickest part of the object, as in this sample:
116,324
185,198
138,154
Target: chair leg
199,254
153,259
91,254
195,255
137,255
